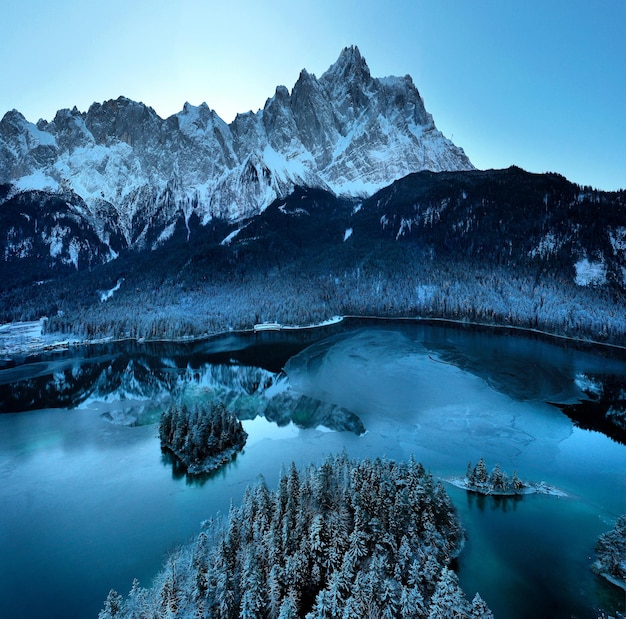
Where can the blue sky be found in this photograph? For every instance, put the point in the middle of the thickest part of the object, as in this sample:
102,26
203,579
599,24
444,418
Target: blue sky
539,84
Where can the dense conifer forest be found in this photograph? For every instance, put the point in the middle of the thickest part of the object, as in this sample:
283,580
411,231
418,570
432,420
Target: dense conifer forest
611,551
352,539
202,437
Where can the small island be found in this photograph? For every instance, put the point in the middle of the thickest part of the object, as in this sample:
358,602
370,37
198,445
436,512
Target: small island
497,483
611,551
203,437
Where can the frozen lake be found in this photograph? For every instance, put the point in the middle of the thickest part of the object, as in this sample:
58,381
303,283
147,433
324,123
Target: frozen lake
89,504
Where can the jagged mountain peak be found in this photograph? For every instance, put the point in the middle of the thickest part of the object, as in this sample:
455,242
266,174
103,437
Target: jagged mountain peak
13,117
346,131
350,65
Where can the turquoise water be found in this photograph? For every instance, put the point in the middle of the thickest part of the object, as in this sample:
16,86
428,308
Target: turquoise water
89,505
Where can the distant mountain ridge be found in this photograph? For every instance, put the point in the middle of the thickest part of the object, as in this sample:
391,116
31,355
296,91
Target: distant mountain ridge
346,132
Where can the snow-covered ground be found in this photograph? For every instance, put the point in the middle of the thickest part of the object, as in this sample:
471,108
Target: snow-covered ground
18,338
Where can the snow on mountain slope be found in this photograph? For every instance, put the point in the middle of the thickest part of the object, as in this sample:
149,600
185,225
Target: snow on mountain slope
346,132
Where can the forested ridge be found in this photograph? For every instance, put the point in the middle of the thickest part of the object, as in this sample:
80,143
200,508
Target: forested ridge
352,539
502,247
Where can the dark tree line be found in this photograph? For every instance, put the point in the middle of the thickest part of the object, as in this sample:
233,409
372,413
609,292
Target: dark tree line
350,539
203,437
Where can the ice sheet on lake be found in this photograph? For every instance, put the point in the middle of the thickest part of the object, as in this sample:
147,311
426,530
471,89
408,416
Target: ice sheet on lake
402,390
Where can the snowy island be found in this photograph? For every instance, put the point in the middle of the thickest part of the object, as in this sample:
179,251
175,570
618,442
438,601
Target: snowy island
498,483
611,551
203,437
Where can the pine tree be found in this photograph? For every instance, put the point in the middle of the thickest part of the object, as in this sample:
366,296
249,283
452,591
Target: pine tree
112,606
288,608
135,606
252,583
480,472
496,478
479,609
448,599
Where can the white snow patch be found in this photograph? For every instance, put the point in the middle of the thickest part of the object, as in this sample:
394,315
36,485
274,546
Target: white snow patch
347,234
232,235
618,240
24,337
107,294
548,245
21,249
588,385
38,181
55,240
590,273
37,136
405,224
74,251
166,234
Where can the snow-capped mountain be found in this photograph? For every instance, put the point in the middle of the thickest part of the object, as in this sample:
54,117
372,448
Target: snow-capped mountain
346,132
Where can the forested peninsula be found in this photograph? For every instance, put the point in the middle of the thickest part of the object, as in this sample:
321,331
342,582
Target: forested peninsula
352,539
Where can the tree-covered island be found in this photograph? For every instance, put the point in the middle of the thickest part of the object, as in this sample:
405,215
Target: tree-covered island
202,437
498,483
351,539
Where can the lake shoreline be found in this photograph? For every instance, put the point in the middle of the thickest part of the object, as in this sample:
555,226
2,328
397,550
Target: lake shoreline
47,342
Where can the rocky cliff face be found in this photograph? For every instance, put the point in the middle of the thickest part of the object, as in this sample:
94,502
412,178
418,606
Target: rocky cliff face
346,132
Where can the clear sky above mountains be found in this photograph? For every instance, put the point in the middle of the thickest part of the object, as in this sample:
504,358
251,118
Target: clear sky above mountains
539,84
